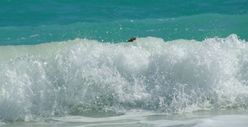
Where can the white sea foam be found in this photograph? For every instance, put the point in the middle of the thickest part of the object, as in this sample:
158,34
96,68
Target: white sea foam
86,77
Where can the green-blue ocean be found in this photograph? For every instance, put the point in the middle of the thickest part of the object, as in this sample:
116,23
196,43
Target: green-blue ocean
68,63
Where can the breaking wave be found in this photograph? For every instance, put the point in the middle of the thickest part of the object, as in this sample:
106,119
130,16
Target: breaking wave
86,77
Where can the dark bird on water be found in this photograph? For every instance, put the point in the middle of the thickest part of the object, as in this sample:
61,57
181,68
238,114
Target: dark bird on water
132,39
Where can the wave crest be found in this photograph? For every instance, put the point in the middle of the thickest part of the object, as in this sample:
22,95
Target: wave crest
85,77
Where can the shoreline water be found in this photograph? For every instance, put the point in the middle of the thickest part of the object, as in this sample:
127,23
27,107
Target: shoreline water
134,119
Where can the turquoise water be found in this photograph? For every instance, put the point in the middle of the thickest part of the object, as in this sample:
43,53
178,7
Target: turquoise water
67,63
32,22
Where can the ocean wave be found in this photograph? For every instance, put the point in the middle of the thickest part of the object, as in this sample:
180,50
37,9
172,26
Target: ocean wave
85,77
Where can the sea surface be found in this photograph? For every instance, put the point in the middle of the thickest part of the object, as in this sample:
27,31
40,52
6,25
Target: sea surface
67,63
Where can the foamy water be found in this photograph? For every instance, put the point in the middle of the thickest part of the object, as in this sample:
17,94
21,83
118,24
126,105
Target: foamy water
87,78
